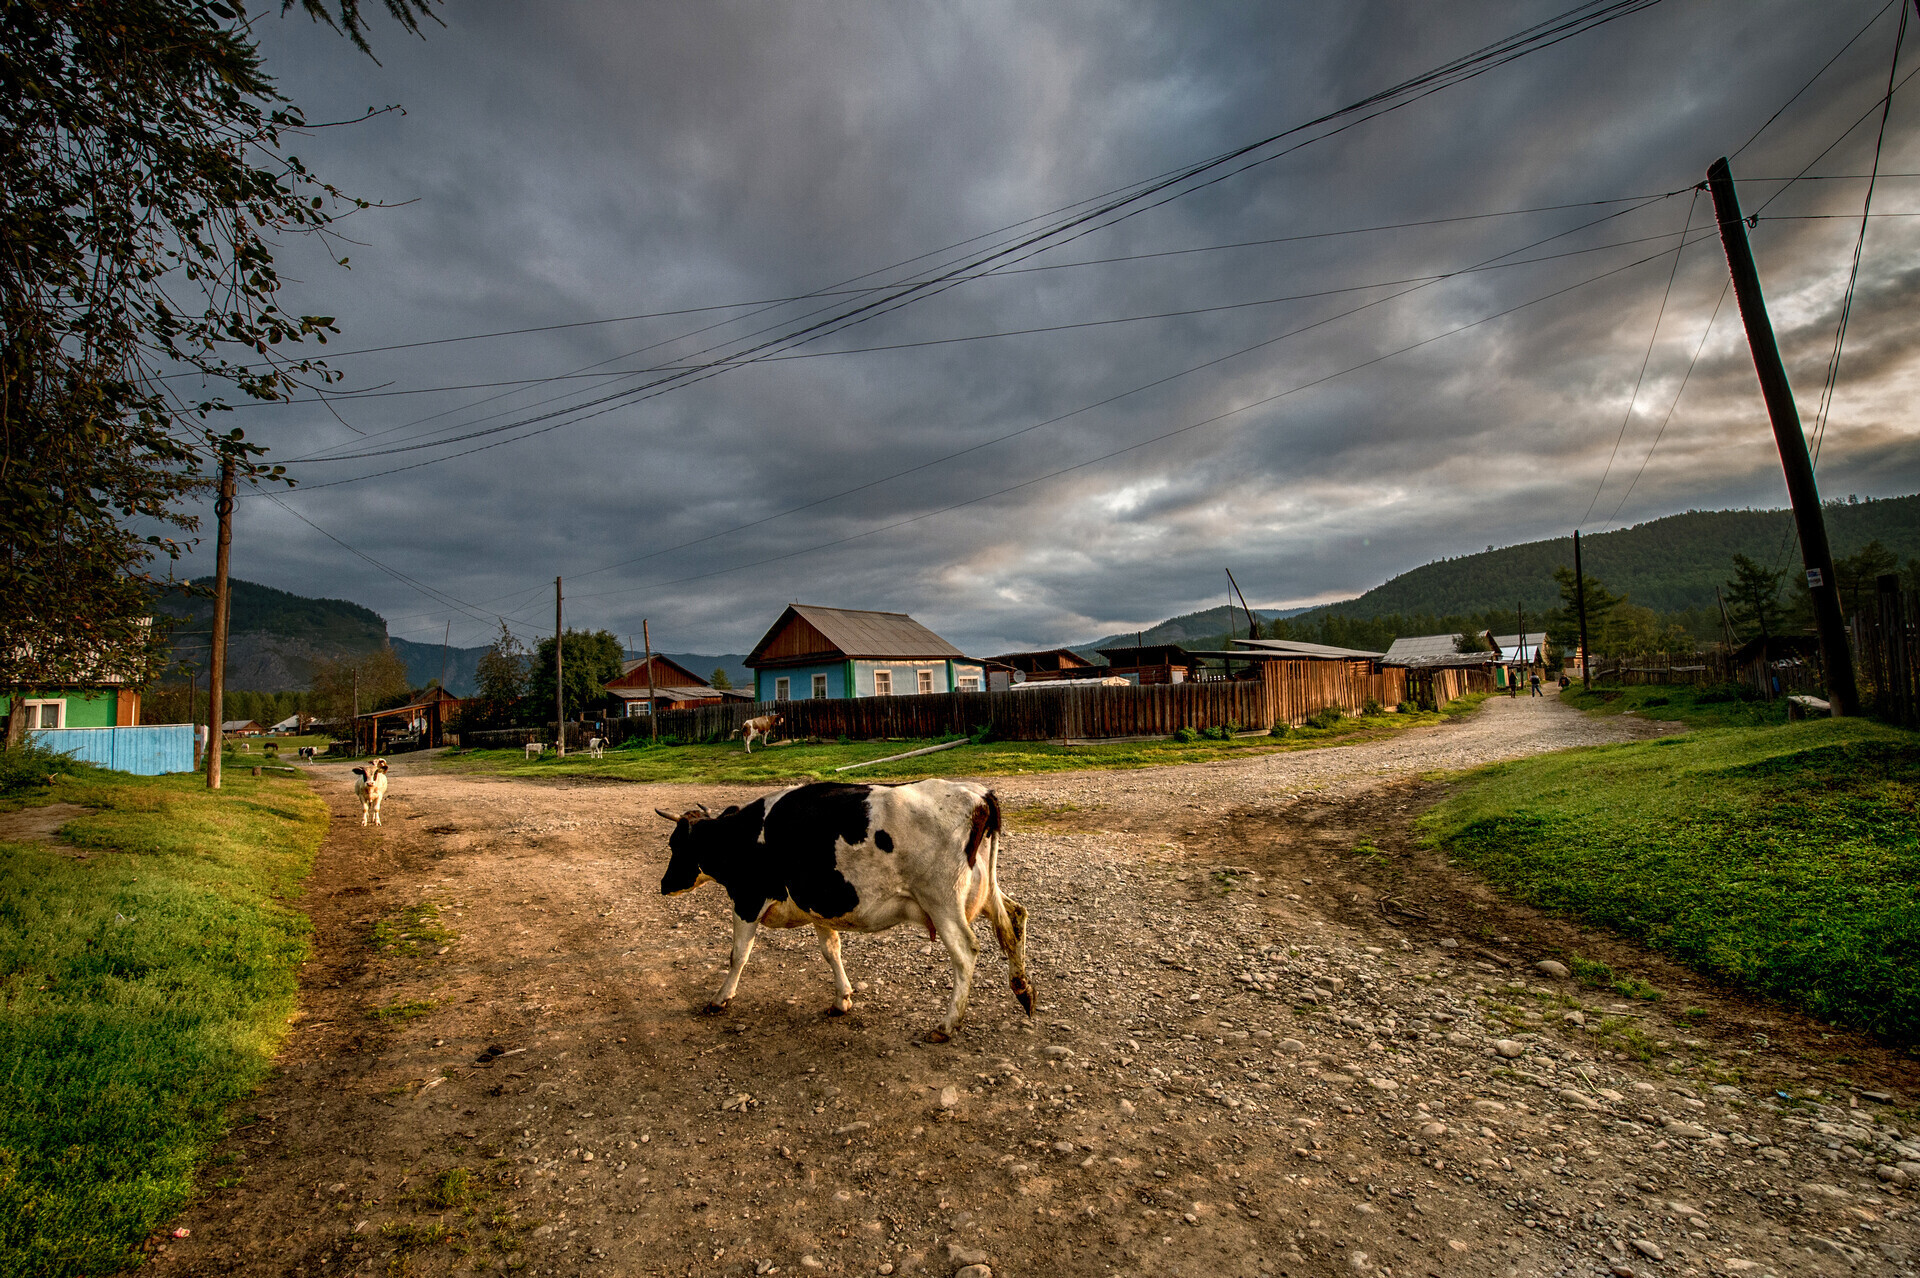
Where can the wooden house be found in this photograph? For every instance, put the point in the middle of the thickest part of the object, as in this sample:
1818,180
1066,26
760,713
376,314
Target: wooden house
670,685
241,728
420,723
814,652
1047,665
1151,663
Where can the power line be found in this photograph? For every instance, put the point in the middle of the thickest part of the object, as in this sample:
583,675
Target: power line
1817,74
1634,399
1859,245
1581,18
1160,438
1684,379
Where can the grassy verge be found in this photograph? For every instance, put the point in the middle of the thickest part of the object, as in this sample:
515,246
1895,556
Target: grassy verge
1724,706
797,761
1782,858
143,988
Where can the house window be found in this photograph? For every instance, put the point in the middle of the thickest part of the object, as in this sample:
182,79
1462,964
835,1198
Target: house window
819,687
925,681
783,689
46,714
883,683
637,708
969,683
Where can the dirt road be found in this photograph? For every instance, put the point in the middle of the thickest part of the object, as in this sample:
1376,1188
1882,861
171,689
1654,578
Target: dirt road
1257,1052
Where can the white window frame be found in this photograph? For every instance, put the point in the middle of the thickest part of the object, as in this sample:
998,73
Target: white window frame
783,688
637,707
923,682
819,687
883,683
967,683
59,705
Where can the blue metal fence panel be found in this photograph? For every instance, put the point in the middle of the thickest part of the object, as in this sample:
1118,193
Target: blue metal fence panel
146,751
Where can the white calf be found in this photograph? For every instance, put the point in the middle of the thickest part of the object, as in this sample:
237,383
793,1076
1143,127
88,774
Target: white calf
595,745
371,789
535,749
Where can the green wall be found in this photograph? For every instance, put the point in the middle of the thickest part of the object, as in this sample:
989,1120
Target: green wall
85,708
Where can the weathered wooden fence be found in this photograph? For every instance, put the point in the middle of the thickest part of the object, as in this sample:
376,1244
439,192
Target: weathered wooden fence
1886,654
1285,692
1432,687
1711,666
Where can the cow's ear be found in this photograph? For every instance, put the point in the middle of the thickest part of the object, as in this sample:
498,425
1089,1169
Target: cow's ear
665,815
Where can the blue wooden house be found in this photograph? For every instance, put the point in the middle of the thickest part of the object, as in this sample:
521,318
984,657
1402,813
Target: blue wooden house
815,652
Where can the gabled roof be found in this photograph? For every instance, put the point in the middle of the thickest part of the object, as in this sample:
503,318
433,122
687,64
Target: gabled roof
857,633
1153,654
1432,650
633,674
1043,659
1520,647
1314,651
238,725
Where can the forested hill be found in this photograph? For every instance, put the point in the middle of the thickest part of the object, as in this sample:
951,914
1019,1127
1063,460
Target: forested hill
1190,629
1669,565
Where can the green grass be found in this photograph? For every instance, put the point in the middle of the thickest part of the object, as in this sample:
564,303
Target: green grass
797,761
142,991
1785,859
1724,706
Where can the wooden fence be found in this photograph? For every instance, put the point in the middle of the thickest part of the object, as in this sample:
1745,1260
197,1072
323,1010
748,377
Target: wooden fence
1431,688
1886,654
1286,692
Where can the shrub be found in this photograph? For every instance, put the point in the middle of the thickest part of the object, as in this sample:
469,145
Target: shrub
1186,736
1326,718
1372,706
1280,729
33,767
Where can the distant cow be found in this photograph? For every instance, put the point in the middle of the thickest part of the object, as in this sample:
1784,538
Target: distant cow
535,749
371,789
309,753
595,745
764,727
858,858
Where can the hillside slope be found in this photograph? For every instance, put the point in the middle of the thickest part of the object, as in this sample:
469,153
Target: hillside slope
1669,564
1188,628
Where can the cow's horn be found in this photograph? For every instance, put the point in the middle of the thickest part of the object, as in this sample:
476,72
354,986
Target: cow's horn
703,808
665,815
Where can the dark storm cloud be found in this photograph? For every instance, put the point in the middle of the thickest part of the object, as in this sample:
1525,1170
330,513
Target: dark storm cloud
583,161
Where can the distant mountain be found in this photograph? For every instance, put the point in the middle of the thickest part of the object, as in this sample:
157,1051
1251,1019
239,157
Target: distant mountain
1669,565
1193,628
277,636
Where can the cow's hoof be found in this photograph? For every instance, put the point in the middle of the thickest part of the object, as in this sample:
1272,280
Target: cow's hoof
938,1036
1024,992
838,1010
713,1009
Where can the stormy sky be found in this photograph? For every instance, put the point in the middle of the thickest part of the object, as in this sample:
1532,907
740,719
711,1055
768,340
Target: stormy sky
1406,339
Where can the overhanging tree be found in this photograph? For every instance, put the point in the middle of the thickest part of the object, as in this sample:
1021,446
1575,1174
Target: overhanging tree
144,180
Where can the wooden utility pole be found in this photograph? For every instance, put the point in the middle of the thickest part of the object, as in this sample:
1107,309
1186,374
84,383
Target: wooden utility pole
559,687
445,639
1519,644
1815,553
1580,602
653,719
1726,619
1253,627
217,660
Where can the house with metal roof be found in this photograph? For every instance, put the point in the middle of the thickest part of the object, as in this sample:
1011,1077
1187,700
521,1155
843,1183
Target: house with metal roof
1046,665
1433,650
1306,651
816,652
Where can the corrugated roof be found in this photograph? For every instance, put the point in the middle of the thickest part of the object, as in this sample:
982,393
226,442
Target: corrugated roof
1317,651
1520,647
1432,650
857,633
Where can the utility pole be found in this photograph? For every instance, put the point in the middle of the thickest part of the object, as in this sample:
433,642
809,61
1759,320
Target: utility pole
653,719
444,640
1580,602
559,688
1252,625
1726,620
217,661
356,711
1815,553
1520,643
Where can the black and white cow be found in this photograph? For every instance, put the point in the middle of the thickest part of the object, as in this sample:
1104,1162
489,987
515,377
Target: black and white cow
858,858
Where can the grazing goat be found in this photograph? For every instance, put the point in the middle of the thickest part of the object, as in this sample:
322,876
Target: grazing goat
535,749
858,858
595,745
371,789
763,727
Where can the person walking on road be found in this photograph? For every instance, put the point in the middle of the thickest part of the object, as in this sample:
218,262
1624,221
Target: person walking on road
1535,683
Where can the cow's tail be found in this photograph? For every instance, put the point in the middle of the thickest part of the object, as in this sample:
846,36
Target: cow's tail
986,825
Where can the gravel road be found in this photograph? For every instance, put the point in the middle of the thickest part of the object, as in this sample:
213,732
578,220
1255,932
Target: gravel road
1257,1053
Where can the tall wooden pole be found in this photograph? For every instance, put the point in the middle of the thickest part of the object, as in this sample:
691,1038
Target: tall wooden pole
1580,602
1815,553
653,718
559,686
217,659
